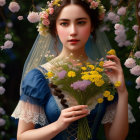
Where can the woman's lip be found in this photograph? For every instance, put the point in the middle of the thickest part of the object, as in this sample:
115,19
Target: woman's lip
73,41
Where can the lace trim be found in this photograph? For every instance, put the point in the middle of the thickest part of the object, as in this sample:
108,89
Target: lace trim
110,114
30,113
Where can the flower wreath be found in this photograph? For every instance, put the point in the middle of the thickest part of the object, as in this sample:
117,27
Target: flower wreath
43,26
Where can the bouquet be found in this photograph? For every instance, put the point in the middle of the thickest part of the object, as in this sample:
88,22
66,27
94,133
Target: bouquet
84,81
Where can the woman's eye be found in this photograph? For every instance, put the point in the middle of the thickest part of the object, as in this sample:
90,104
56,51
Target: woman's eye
64,24
81,22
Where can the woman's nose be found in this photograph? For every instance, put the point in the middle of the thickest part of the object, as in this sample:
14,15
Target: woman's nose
73,30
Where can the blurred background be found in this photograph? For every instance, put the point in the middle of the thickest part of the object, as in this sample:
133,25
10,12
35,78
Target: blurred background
18,32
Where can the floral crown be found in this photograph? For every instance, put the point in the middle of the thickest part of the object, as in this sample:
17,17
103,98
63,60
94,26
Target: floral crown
43,26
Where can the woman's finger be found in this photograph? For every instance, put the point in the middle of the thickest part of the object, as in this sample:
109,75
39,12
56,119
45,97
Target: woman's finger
109,63
75,108
72,119
76,113
113,57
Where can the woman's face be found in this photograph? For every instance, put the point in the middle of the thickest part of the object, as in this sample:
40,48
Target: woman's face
73,26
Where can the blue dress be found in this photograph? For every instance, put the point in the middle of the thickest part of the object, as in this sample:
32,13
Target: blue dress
36,91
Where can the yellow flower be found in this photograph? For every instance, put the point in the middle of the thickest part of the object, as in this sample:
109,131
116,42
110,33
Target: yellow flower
117,83
99,83
83,68
47,10
99,69
100,100
110,97
101,63
91,66
106,93
94,72
56,2
111,52
85,77
49,75
71,74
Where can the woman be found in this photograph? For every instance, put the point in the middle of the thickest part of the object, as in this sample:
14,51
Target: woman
73,21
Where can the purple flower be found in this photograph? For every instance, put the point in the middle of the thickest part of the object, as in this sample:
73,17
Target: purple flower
2,90
81,85
135,70
137,54
2,111
14,7
2,122
61,74
2,79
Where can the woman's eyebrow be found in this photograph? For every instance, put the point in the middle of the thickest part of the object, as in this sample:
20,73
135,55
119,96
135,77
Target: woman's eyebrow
81,18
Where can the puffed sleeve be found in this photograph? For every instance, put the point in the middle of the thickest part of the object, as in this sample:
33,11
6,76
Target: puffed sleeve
35,92
110,114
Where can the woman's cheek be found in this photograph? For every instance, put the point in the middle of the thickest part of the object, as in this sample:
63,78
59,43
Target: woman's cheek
85,32
62,34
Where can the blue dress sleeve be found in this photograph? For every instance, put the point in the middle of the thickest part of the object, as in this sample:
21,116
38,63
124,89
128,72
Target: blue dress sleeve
34,88
34,96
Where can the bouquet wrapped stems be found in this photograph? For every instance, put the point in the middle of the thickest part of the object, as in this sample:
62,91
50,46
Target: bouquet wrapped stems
84,132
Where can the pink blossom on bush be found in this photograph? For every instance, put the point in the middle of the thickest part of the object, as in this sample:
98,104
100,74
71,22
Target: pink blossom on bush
121,11
138,81
2,79
2,2
113,2
8,36
135,28
137,54
10,24
138,99
113,17
2,65
139,5
139,13
2,122
130,63
127,43
135,70
2,90
137,87
20,17
33,17
8,44
2,111
118,26
14,7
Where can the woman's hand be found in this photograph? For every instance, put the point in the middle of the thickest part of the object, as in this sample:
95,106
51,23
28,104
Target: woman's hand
70,115
114,71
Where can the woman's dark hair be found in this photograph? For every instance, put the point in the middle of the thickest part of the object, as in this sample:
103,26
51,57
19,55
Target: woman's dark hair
93,14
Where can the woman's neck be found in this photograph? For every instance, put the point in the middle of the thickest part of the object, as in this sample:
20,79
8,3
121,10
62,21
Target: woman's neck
76,55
